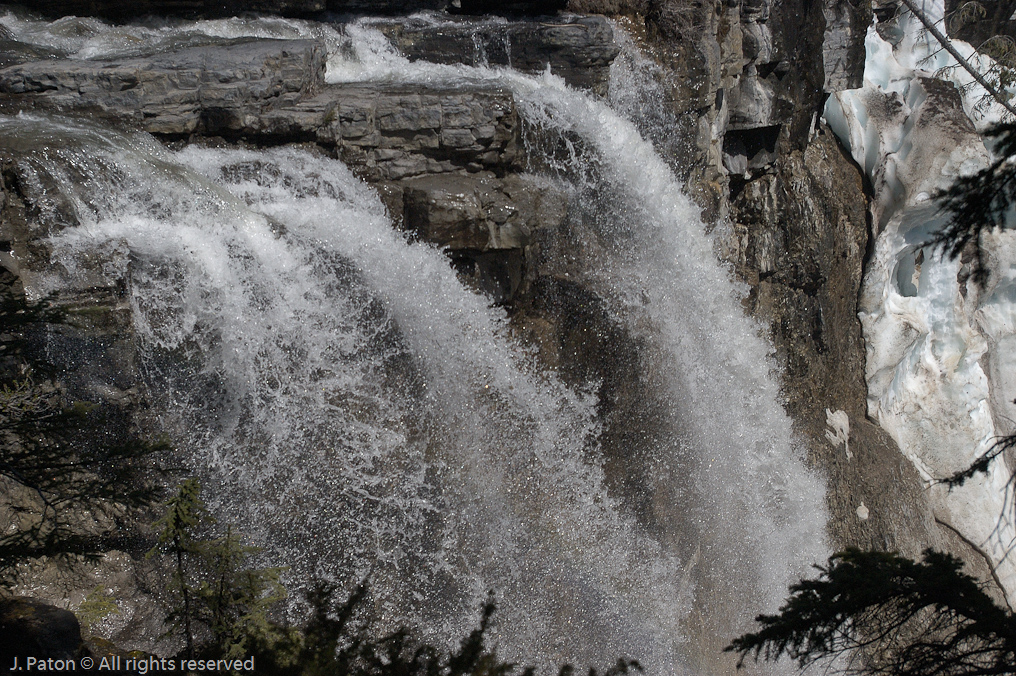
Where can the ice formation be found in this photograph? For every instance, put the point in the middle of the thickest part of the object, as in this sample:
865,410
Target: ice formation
839,430
939,349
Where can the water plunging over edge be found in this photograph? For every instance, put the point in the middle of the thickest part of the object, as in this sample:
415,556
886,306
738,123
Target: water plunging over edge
443,448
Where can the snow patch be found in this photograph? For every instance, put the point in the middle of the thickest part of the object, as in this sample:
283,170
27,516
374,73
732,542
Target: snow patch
941,352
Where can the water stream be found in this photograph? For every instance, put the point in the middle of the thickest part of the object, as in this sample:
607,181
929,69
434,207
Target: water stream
356,409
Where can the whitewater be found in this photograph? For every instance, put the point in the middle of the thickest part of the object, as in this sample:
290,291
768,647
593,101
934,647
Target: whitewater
358,412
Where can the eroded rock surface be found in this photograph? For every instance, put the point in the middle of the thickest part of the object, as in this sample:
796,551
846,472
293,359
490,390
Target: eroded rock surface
800,236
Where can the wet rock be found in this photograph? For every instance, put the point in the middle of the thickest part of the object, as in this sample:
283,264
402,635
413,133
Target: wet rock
13,52
579,49
466,212
393,132
197,89
31,628
578,337
486,224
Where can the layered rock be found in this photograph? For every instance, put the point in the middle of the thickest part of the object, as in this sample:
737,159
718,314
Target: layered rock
198,89
579,49
393,132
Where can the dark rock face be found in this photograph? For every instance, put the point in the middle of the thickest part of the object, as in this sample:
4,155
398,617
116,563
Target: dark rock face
577,336
801,234
509,7
31,628
115,9
579,49
971,26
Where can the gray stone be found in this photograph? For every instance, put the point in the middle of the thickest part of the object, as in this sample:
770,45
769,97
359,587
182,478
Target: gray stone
13,52
197,89
843,44
485,223
579,49
272,91
484,213
394,132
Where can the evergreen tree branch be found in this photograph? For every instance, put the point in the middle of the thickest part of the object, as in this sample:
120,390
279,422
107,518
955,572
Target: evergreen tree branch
909,618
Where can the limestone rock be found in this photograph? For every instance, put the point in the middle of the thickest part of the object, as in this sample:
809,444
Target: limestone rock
579,49
196,89
486,224
393,132
843,43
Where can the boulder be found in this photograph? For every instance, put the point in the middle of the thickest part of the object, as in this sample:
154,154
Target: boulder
31,628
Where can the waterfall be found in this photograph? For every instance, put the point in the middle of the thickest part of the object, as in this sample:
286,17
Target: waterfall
357,410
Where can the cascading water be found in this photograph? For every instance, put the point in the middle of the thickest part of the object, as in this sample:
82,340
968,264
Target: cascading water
357,410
